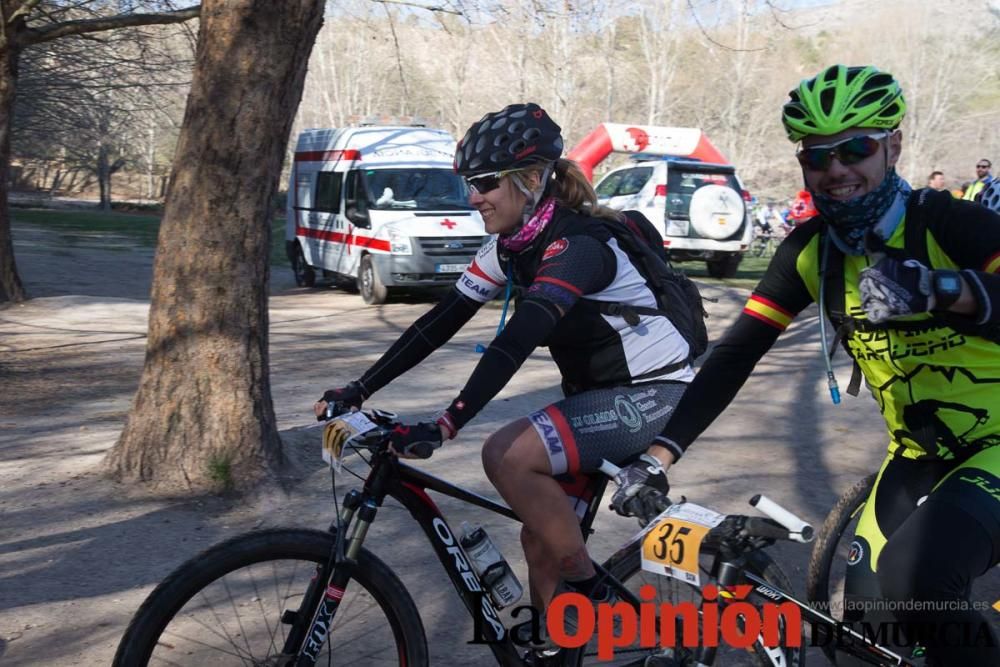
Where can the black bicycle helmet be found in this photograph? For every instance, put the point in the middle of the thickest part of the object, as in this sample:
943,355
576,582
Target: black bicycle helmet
519,135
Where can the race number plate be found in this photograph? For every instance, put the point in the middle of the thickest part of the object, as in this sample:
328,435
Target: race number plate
671,546
451,268
339,432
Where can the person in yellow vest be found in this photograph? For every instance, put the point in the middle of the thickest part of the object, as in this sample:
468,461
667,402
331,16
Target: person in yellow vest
983,178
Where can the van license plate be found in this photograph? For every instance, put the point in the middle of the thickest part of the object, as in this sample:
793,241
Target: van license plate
451,268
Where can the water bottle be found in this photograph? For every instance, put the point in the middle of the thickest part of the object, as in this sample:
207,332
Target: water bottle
489,564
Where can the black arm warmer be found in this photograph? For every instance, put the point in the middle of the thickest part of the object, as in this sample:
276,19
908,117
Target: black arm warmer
431,331
531,324
720,378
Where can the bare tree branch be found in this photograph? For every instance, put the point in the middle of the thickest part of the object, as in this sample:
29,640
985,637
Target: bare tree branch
704,32
417,5
80,27
775,11
23,10
399,57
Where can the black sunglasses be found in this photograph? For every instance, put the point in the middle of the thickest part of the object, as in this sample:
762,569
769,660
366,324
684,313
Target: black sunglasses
983,166
849,151
483,183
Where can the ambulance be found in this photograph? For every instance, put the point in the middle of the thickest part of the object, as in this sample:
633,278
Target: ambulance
379,206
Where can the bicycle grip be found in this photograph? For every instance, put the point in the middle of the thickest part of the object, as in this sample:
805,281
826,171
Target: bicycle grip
333,409
798,530
609,468
422,450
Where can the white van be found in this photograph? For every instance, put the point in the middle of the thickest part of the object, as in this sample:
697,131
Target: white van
380,206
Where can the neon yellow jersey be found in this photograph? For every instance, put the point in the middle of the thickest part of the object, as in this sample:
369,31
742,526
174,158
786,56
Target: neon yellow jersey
938,389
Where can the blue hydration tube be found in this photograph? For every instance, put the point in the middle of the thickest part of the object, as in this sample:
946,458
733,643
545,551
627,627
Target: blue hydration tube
480,348
831,380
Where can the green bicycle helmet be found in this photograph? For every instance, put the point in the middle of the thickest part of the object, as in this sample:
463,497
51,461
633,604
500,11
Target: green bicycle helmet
840,98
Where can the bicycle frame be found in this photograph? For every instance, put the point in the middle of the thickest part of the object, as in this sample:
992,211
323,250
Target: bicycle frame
849,641
409,486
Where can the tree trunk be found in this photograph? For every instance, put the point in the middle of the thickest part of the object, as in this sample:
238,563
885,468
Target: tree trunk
11,288
202,418
104,178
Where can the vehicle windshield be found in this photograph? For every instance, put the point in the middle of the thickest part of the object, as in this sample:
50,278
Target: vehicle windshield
421,189
624,182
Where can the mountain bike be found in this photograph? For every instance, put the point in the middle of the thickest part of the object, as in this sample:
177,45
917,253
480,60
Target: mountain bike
307,597
762,244
765,241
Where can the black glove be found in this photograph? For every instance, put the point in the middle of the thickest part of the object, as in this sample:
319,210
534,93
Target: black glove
892,288
642,489
345,398
416,440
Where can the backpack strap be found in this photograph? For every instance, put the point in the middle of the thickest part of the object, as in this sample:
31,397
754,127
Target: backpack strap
644,246
924,205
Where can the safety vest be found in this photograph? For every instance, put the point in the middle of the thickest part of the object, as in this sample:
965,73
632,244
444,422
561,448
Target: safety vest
976,188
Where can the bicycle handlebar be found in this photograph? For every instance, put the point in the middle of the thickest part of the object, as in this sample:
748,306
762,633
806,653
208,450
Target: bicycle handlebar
378,438
784,525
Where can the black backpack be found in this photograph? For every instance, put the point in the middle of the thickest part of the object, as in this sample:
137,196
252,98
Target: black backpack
677,296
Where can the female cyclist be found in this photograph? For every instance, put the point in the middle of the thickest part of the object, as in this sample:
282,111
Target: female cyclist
621,381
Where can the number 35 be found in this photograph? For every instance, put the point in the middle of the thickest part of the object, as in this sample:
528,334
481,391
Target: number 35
674,551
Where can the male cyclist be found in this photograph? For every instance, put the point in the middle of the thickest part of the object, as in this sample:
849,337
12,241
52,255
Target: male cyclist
912,281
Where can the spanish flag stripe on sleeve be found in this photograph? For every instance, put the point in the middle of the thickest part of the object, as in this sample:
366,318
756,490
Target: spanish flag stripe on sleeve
767,312
992,264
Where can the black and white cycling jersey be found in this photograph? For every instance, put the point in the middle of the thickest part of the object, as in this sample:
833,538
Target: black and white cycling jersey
574,263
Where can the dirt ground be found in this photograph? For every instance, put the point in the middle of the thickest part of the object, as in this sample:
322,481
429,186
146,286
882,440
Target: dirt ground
78,553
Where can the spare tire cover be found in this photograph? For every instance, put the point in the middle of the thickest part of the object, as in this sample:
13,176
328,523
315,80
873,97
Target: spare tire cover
716,211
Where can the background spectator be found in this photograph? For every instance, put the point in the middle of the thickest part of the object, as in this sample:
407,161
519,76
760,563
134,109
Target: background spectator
983,178
936,180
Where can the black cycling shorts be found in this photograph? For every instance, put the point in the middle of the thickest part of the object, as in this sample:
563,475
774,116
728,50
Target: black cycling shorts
617,424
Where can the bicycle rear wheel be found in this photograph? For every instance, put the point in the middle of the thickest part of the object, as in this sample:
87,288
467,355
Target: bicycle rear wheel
674,591
760,246
225,606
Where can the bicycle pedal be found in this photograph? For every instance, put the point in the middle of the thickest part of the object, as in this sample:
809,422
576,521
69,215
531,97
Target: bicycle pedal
289,617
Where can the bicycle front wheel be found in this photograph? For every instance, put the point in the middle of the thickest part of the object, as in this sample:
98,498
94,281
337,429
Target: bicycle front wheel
226,605
673,592
832,551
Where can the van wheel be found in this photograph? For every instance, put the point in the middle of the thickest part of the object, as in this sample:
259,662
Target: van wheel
305,275
371,288
725,267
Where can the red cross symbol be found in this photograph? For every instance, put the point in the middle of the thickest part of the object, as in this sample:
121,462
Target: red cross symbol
450,224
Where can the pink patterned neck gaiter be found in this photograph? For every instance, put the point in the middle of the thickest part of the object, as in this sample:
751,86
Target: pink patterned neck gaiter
531,229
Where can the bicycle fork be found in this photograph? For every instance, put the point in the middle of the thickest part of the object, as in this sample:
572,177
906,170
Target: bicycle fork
326,590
